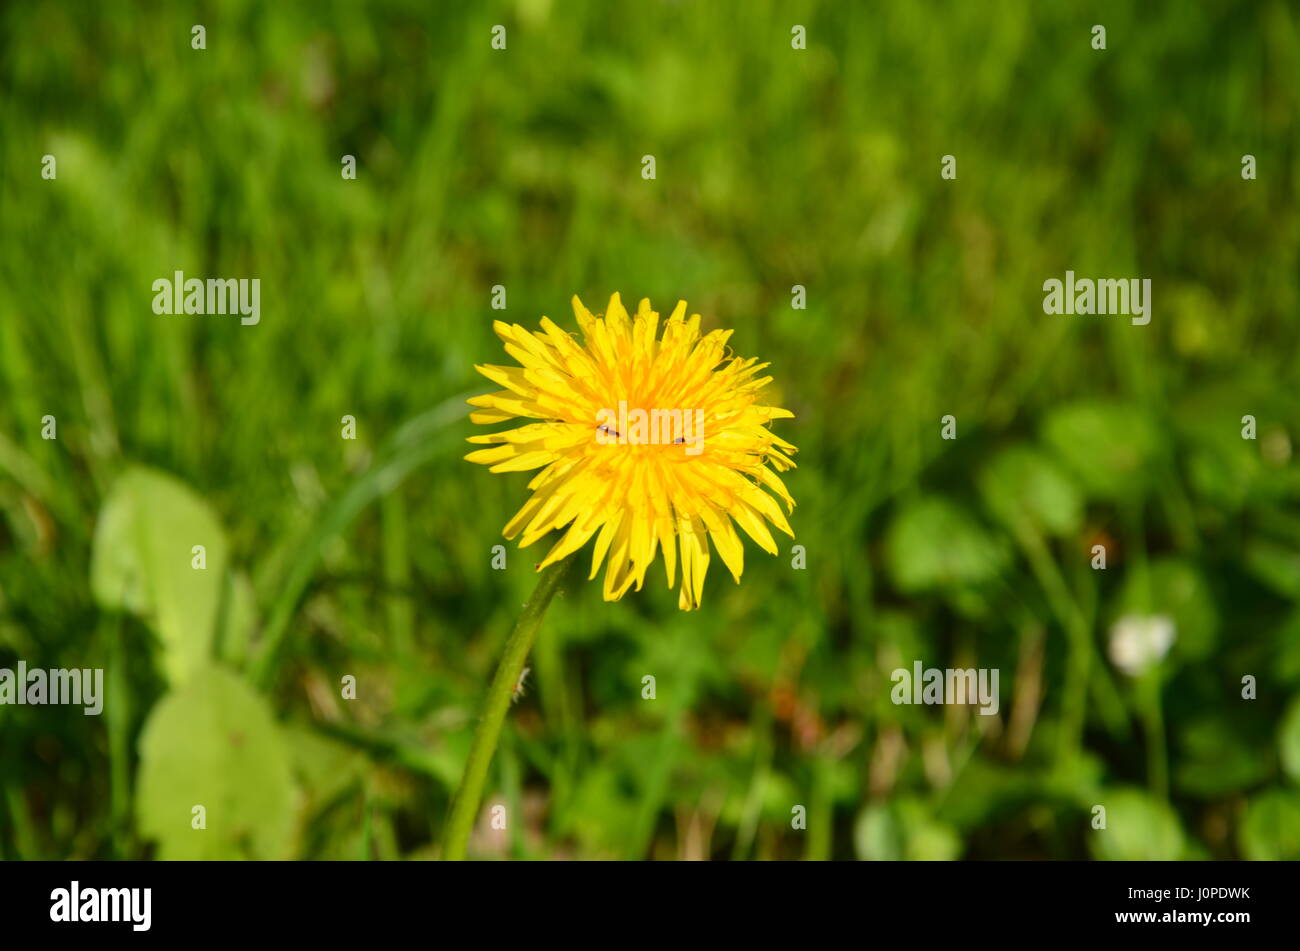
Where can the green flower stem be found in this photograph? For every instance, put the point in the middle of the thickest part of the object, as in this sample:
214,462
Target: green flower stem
1154,724
1080,649
465,806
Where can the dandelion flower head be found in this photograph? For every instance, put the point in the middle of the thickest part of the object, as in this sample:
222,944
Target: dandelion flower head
648,440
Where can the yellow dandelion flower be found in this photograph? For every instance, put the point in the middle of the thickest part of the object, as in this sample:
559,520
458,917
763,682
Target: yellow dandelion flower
652,441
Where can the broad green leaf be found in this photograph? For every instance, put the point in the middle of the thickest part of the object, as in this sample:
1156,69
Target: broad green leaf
904,830
1287,639
984,790
214,743
602,813
877,835
1289,740
933,543
325,768
1223,471
1270,829
1108,446
142,561
1276,565
1024,487
1214,760
1138,828
779,791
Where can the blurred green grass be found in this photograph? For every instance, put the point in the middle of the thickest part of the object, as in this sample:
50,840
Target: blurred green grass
775,168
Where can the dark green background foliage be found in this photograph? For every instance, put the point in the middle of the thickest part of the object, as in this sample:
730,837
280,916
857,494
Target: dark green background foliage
776,167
